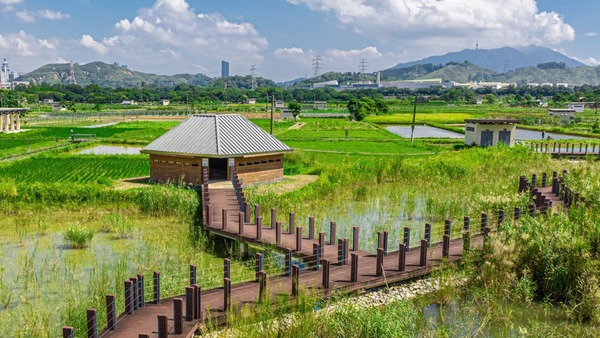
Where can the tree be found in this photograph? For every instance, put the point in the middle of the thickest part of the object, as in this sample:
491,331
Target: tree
356,109
296,108
490,99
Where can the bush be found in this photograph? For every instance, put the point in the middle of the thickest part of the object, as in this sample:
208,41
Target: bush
78,237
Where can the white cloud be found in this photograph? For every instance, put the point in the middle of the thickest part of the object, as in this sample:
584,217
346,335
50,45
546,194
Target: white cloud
286,52
52,15
89,42
447,25
46,44
10,2
591,34
25,16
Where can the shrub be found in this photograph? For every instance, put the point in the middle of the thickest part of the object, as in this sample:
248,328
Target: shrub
78,237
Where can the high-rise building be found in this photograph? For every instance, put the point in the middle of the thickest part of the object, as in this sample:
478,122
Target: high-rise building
224,68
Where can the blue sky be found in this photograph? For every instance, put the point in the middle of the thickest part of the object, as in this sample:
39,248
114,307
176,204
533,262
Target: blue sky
282,37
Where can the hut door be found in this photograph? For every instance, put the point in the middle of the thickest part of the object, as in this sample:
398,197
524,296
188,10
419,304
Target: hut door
217,168
504,137
487,138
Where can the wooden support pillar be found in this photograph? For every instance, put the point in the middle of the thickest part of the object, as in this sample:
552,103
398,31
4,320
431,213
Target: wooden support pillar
340,252
92,323
292,223
428,233
247,212
317,255
273,217
192,274
385,243
353,267
466,223
517,213
128,297
446,246
295,280
258,262
332,233
262,286
141,290
134,293
402,257
198,301
325,278
209,215
226,294
299,239
484,220
423,256
544,180
447,227
68,331
224,219
190,301
226,268
241,218
322,242
311,227
163,326
379,263
355,233
406,240
259,228
288,262
111,313
277,233
256,213
466,241
532,210
178,315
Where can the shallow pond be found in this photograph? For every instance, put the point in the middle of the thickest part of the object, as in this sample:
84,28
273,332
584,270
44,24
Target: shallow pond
111,150
524,134
423,131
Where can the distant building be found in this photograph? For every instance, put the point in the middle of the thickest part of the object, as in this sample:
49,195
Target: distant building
565,115
490,132
280,104
320,105
562,85
10,119
48,101
127,102
577,107
250,100
411,84
332,83
224,68
165,102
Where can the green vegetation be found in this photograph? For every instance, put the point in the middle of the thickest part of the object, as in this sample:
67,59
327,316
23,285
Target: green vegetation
78,237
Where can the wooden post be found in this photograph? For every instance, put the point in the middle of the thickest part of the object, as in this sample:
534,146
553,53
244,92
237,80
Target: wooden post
423,256
258,262
163,327
401,257
128,297
325,279
340,252
466,241
379,264
322,242
273,217
407,237
226,268
446,246
380,240
346,248
500,218
256,213
111,313
288,262
299,239
226,294
259,228
385,243
277,233
224,219
177,315
466,223
428,233
353,267
247,212
317,254
241,223
292,224
68,332
332,233
209,215
517,213
262,286
484,220
198,302
532,210
295,280
544,179
92,323
447,227
192,274
141,290
190,302
311,227
533,181
156,279
134,293
355,232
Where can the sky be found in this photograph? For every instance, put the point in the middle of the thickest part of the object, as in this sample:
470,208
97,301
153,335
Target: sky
283,38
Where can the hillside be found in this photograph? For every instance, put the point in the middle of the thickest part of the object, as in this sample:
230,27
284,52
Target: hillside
104,74
461,72
500,60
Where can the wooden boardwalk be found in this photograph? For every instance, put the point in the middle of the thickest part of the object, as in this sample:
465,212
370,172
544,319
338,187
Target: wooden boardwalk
568,150
339,268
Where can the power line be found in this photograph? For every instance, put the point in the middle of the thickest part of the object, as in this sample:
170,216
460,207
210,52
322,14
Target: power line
317,65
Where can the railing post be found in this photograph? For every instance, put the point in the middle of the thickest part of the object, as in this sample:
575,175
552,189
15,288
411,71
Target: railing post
134,292
262,286
111,313
226,294
247,212
256,213
340,252
517,213
258,262
332,233
198,302
446,246
156,279
209,215
162,327
317,254
407,237
544,179
299,239
385,243
355,232
241,223
141,290
273,217
466,223
353,267
402,257
189,303
447,227
128,297
428,233
277,233
322,243
292,223
92,323
226,268
178,315
224,219
192,274
288,262
68,332
325,279
295,279
259,228
379,264
311,227
484,220
500,218
532,210
423,256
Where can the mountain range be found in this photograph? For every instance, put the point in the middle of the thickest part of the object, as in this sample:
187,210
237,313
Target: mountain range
520,65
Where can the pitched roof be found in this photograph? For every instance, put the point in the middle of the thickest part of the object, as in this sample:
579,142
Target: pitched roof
216,135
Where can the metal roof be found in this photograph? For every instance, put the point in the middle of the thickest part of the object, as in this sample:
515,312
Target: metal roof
218,135
12,110
493,121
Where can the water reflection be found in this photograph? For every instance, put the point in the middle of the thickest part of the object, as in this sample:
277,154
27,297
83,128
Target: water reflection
111,150
423,131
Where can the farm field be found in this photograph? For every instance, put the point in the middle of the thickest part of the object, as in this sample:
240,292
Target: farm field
365,179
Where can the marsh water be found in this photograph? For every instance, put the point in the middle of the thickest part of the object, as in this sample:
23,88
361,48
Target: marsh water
111,150
428,131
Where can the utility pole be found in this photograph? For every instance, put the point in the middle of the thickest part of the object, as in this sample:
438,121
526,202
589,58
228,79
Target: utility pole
253,70
187,101
317,65
412,127
272,111
363,66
